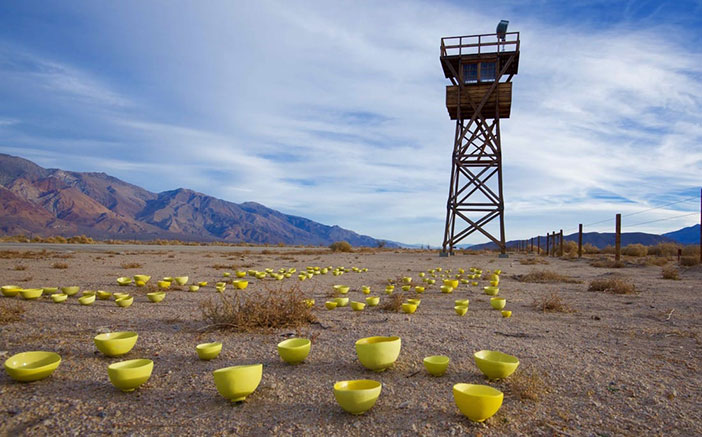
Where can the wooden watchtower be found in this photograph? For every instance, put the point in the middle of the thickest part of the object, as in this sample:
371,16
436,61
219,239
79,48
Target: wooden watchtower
480,68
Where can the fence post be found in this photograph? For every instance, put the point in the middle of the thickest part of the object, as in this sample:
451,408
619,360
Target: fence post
532,245
580,240
618,239
553,243
700,226
560,249
538,244
548,244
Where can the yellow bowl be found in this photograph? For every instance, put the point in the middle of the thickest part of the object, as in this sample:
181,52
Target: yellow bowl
202,284
237,382
31,293
389,287
341,301
461,310
226,274
240,274
294,350
474,283
506,314
124,281
462,302
436,364
208,351
330,304
494,283
453,283
357,396
409,308
10,290
240,284
357,306
181,280
49,290
131,374
87,300
406,287
119,295
491,291
495,364
114,344
414,301
406,280
32,366
498,302
88,293
139,283
124,302
446,289
477,402
59,297
378,353
366,289
194,288
372,301
103,295
142,278
343,289
167,278
419,289
498,271
164,284
156,296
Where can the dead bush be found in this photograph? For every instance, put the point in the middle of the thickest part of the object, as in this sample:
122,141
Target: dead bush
635,250
278,308
393,303
225,267
570,248
612,285
340,246
689,260
655,261
131,266
664,249
527,384
590,249
532,261
545,276
607,263
609,250
691,250
552,304
670,272
61,266
10,311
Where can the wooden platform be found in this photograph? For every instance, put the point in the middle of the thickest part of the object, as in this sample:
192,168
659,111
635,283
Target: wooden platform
456,60
476,93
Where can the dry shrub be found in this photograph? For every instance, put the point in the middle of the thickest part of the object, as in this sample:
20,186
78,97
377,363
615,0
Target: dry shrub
590,248
635,250
20,267
612,285
527,384
10,311
664,249
131,265
545,276
670,272
278,308
393,303
607,263
340,246
13,254
532,261
689,260
570,248
61,266
609,250
691,250
655,261
552,304
225,267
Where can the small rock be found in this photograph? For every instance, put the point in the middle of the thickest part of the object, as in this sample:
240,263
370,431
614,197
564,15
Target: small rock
404,404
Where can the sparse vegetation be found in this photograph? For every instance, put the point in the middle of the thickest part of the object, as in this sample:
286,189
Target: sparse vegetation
131,265
689,260
20,267
341,246
532,261
607,263
670,272
664,249
527,384
590,249
545,276
10,311
612,285
637,250
61,266
278,308
552,304
225,267
393,303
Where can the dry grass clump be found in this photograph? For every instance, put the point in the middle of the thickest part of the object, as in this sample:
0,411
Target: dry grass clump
607,263
393,303
532,261
545,276
340,246
670,272
689,260
61,266
612,285
527,384
655,261
131,266
552,304
10,311
14,254
663,249
278,308
225,267
20,267
635,250
590,249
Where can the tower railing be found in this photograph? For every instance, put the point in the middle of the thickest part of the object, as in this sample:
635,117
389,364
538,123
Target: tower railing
479,44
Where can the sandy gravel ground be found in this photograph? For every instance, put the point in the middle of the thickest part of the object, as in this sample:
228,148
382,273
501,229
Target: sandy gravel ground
618,365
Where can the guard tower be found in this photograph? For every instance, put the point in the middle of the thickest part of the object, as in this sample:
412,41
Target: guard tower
480,68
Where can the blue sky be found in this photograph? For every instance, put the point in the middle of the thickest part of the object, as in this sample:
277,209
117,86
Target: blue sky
335,110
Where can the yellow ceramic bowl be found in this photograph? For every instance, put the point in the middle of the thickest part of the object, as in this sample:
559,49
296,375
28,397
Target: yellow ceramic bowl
446,289
461,310
167,278
357,306
498,272
59,297
226,274
241,284
32,366
142,278
366,289
181,280
409,308
163,284
477,402
330,304
419,289
406,280
237,382
49,290
378,353
406,287
103,295
341,301
389,287
474,283
139,283
414,301
124,281
372,301
131,374
240,274
124,302
495,364
357,396
194,288
343,289
10,290
436,364
119,295
506,314
209,351
491,291
294,350
462,302
498,302
88,293
453,283
156,296
31,293
202,284
87,300
494,283
115,344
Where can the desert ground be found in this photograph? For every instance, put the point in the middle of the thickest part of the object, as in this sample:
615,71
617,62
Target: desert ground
615,364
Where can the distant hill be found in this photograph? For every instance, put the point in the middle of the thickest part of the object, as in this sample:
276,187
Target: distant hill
688,235
597,239
45,202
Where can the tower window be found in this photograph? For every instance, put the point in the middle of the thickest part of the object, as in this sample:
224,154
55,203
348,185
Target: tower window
487,72
470,73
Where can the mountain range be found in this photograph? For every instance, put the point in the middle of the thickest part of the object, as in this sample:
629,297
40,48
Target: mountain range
46,202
